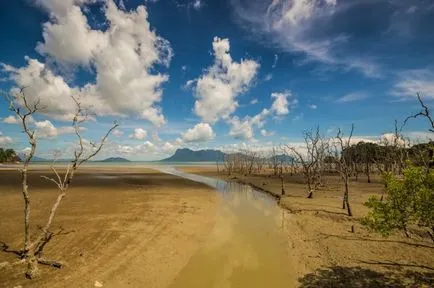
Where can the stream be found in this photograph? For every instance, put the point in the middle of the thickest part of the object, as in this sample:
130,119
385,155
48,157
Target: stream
245,248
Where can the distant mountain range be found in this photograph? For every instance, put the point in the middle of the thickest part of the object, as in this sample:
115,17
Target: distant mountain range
40,159
188,155
114,159
181,155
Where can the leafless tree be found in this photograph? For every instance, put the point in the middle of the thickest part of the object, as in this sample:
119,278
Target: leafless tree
274,161
343,165
260,162
425,113
32,252
312,163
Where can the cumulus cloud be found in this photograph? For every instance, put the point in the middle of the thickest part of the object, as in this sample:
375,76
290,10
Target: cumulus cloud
43,129
244,128
11,120
253,101
46,129
313,106
139,134
199,133
298,26
5,140
351,97
266,133
412,82
117,132
216,90
122,57
281,105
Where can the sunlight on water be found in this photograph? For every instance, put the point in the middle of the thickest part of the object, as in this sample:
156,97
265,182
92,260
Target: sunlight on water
245,248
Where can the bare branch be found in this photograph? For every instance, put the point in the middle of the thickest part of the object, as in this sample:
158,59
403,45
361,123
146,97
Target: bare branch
424,113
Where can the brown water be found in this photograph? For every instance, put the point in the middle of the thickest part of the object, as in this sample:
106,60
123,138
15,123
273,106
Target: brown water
245,248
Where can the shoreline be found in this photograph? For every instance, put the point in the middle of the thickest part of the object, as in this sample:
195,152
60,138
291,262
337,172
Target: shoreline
322,238
118,225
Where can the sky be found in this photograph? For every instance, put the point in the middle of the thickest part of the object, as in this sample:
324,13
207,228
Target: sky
222,74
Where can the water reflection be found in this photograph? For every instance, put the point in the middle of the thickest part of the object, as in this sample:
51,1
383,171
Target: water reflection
245,248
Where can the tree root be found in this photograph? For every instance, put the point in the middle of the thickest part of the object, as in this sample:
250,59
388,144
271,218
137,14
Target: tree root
52,263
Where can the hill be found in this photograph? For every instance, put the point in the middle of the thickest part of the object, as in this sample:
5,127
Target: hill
114,159
188,155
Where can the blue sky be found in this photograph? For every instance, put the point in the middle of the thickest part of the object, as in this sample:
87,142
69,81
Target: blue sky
215,74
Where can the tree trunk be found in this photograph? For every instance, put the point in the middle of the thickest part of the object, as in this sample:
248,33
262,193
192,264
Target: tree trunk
309,187
345,201
26,197
283,188
32,267
368,172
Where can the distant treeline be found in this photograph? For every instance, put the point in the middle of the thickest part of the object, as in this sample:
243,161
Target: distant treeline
8,155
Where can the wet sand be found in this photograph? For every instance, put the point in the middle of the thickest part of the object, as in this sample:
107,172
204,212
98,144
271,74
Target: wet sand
126,227
323,250
136,227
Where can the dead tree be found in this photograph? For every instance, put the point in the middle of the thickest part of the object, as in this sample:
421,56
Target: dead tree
274,161
32,252
425,113
343,165
312,162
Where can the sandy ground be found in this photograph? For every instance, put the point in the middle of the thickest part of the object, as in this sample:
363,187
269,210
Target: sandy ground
126,228
325,252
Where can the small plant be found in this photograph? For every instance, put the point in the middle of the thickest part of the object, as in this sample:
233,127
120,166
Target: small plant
408,201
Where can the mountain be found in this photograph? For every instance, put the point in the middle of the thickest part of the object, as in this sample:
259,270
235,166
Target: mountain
283,158
34,158
188,155
114,159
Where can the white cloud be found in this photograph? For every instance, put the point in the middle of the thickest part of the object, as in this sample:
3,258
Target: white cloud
139,134
244,129
281,105
294,25
199,133
148,146
117,132
217,89
5,140
351,97
266,133
46,129
122,4
122,56
276,59
241,129
268,77
11,120
415,81
313,106
197,4
253,101
26,151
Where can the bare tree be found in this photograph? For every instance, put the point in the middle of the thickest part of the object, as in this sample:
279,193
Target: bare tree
32,252
312,163
274,161
425,112
343,165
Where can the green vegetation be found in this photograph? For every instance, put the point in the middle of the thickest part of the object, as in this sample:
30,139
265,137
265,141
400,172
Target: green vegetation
409,201
8,155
